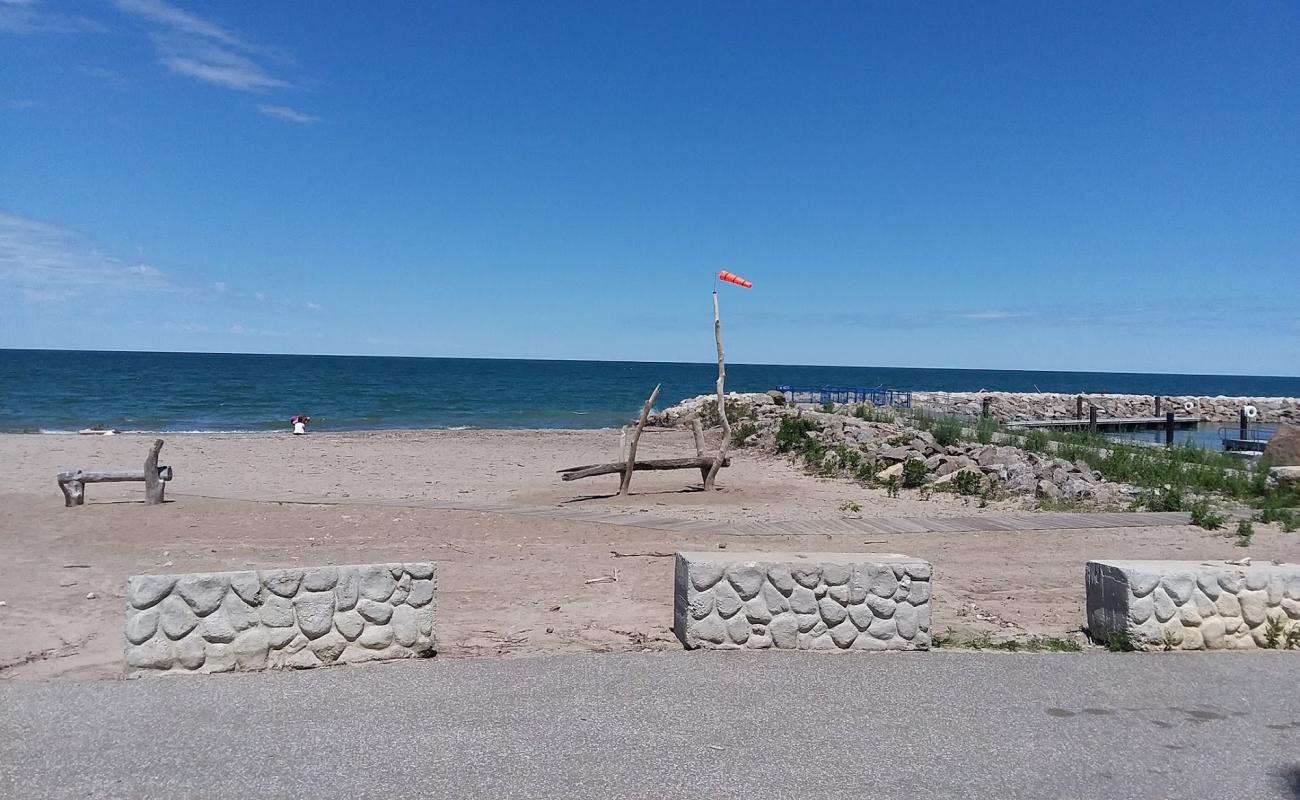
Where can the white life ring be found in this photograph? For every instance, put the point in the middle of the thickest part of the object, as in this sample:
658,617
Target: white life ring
1189,406
1250,411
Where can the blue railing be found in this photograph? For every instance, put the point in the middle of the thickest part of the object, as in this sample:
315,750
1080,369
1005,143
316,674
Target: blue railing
878,396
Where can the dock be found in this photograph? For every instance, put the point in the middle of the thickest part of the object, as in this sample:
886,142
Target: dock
1111,423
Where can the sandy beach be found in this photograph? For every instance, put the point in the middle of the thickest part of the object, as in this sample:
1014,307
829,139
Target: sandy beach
254,501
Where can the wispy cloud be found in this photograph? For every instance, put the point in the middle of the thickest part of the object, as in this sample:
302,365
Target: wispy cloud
26,17
288,114
46,262
204,49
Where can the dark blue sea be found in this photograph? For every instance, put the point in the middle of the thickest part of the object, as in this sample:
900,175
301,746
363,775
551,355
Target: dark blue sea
54,391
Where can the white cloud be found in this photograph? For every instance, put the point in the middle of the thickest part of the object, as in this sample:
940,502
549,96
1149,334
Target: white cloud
204,49
46,262
313,306
25,17
288,114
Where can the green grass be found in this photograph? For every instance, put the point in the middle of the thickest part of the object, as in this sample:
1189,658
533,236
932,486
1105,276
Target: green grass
850,507
985,429
892,486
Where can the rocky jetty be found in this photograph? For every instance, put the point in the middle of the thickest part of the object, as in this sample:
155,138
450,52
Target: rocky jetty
1020,406
880,448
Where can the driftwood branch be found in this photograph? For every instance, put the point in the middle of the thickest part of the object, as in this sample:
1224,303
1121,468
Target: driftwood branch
590,470
626,483
711,476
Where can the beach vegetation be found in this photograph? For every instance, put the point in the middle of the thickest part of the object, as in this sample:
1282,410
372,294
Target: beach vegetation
793,432
946,432
850,507
736,410
1245,532
869,413
914,473
985,429
967,482
1203,516
1122,642
741,433
985,641
892,486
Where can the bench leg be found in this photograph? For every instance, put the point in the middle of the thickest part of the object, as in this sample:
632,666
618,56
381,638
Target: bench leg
74,493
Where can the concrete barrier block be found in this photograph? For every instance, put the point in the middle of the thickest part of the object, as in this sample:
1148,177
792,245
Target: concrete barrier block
280,618
1194,605
802,601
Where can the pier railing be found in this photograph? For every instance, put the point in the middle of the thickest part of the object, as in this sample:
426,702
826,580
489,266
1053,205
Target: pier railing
878,396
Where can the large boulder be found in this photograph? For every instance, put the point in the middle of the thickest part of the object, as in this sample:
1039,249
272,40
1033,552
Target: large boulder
1284,448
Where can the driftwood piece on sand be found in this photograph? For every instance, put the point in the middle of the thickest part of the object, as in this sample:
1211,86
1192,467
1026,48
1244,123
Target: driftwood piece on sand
712,474
590,470
626,483
154,477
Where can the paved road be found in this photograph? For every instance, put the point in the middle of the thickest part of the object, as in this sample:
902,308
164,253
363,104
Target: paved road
669,725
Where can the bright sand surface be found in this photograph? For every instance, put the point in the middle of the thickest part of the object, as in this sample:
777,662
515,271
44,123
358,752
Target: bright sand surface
509,584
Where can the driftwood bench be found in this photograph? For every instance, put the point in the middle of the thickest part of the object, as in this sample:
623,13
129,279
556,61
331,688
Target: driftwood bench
73,483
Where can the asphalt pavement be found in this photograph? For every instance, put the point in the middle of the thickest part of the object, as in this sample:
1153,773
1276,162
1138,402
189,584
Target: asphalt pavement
674,725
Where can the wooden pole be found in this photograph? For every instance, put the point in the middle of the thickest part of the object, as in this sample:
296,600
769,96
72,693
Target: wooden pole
1243,422
710,478
1092,419
986,406
1078,407
626,483
1169,428
1158,399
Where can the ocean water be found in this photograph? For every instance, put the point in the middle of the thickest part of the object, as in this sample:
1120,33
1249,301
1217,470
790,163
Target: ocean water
55,391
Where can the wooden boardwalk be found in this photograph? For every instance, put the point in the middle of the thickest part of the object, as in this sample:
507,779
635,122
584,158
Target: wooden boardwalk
845,526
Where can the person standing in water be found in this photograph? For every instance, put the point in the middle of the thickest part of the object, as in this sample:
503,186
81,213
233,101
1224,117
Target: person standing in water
299,424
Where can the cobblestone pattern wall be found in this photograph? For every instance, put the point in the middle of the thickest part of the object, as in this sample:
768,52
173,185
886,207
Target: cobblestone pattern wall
821,601
295,618
1192,605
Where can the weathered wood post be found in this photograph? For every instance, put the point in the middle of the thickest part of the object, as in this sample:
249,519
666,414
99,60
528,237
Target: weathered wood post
1169,429
1158,398
1244,424
698,430
153,483
722,400
1092,419
1078,407
986,407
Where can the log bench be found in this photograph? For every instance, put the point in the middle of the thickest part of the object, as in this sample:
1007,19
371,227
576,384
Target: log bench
73,482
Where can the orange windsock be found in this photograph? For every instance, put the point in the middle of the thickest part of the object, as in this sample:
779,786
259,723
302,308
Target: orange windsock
730,277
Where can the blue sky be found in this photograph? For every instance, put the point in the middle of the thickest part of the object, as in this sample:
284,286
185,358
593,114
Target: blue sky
997,185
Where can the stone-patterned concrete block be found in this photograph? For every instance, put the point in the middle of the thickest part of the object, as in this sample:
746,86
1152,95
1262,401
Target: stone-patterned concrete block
1192,605
294,618
802,601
